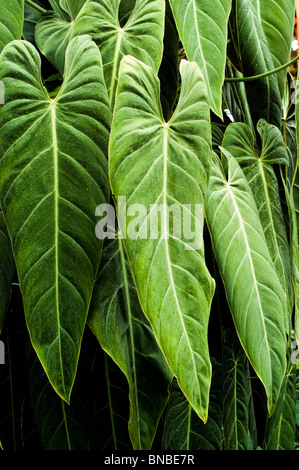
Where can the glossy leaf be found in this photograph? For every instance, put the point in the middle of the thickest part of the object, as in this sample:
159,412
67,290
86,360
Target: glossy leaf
141,36
7,267
202,26
124,333
183,430
257,165
263,95
50,150
253,290
11,21
161,164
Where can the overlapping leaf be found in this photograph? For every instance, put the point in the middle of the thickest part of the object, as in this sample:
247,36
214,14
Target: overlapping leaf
124,333
158,165
263,95
202,26
7,267
236,397
257,166
141,36
53,176
11,21
253,290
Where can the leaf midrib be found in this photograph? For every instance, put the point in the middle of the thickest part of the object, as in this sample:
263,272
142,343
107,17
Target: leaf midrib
56,225
166,235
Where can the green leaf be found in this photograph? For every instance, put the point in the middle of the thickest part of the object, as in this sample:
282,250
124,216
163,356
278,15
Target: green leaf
253,290
50,150
263,95
165,164
124,333
202,26
11,21
236,397
280,434
183,430
7,267
257,165
278,25
141,36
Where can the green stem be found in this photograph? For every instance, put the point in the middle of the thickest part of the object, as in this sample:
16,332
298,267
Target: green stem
37,7
262,75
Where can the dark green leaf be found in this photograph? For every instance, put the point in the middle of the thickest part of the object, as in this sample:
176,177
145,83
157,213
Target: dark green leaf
50,150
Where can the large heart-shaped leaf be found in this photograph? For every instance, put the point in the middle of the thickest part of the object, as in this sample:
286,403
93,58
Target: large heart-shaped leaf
11,21
253,290
141,36
257,165
50,150
124,333
7,268
263,94
158,166
202,26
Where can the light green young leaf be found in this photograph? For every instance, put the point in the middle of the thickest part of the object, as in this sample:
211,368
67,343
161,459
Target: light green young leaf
202,26
165,166
253,290
50,150
11,21
121,328
7,267
257,165
141,36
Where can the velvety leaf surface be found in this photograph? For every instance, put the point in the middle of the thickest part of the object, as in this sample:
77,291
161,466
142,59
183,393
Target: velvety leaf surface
50,150
161,164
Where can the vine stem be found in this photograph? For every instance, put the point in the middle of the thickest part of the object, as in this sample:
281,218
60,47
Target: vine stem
37,7
262,75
